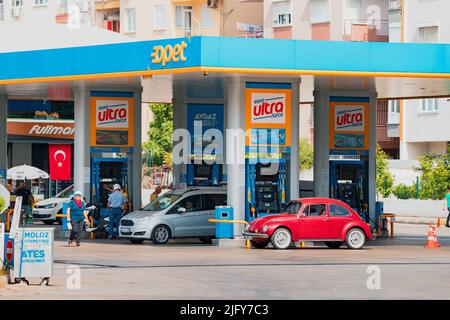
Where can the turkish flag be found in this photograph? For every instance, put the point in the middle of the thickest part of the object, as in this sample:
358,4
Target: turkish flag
60,159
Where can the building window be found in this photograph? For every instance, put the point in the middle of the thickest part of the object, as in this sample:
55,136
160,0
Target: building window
131,20
40,3
282,13
394,112
319,11
183,17
429,34
16,3
2,16
207,17
159,17
429,105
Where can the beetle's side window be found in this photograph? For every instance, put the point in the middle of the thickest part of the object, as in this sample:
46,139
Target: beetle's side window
338,211
315,210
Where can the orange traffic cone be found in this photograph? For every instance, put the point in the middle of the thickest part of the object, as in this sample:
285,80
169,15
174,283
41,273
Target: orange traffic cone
432,241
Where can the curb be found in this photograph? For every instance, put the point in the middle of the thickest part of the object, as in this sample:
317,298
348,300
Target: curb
417,220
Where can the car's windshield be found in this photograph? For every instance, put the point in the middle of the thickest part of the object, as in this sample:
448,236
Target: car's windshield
162,202
293,207
66,193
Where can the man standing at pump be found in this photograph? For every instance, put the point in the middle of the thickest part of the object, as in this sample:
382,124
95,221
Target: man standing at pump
115,203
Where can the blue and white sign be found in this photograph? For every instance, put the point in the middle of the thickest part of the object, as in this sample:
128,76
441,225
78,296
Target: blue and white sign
33,253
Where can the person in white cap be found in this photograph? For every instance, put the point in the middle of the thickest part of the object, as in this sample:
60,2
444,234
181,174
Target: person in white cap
76,215
115,203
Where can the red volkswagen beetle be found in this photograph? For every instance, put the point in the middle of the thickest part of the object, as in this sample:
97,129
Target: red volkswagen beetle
310,219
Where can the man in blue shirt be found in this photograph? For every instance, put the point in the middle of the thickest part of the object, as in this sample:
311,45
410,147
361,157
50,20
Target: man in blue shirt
115,203
447,206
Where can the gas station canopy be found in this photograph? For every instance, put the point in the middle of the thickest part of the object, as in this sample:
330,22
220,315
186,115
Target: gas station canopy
395,70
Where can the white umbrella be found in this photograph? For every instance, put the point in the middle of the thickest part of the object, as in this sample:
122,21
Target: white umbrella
26,173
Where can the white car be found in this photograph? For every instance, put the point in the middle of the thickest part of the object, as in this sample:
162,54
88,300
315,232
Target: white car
46,210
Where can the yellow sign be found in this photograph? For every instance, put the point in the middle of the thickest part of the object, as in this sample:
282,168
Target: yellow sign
169,53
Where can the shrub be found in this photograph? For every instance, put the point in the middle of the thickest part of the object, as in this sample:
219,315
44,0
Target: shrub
402,191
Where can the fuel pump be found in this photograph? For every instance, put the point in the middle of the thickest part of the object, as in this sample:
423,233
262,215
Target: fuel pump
349,182
266,188
105,173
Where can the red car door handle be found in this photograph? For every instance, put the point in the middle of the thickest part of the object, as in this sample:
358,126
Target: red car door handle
325,219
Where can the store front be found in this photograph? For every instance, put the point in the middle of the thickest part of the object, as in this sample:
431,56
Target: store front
36,130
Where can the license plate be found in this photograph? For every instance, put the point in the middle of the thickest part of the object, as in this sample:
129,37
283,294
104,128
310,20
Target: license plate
35,212
125,230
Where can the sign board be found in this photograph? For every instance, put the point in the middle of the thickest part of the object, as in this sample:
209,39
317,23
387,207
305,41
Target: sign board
33,256
201,118
268,117
53,129
349,123
112,119
4,198
9,250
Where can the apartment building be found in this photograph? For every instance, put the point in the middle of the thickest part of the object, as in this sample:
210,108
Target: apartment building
423,22
47,11
150,19
338,20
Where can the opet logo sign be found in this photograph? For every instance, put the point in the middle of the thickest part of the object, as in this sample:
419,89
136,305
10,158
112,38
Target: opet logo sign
349,118
112,114
268,108
168,53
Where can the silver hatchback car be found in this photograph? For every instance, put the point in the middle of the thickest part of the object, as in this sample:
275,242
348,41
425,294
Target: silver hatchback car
180,213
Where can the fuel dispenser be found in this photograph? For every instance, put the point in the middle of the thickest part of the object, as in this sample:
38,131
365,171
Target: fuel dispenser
266,188
349,182
105,173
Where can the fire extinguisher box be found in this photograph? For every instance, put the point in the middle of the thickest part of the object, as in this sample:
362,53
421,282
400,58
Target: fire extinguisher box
224,230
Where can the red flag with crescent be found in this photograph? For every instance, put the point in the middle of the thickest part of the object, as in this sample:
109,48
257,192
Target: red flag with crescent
60,160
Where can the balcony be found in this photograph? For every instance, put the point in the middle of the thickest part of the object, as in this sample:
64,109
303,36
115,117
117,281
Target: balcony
107,4
395,5
366,30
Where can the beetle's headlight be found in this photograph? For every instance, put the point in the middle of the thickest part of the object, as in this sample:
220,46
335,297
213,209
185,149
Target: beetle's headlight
264,229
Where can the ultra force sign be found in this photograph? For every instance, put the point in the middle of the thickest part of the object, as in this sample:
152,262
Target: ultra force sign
349,118
112,114
268,108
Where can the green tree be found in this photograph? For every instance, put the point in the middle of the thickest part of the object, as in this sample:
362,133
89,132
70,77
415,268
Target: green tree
384,179
160,132
435,177
403,191
306,155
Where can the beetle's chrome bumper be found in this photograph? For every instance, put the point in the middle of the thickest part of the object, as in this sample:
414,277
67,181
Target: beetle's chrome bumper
250,235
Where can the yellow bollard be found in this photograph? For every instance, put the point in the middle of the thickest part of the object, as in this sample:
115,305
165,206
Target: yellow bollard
247,244
92,224
302,245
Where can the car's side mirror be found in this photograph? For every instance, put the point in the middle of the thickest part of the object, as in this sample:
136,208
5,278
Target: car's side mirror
181,210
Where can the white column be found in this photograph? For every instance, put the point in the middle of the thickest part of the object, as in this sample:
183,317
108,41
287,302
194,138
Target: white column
372,153
82,172
179,122
235,150
321,144
295,133
3,132
136,174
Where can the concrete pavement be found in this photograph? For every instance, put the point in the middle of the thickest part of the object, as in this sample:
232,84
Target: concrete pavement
186,269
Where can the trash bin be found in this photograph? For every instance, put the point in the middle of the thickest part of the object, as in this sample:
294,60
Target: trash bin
379,210
224,230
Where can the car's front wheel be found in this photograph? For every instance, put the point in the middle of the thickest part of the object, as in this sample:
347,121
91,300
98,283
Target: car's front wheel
161,234
259,244
334,244
281,238
355,239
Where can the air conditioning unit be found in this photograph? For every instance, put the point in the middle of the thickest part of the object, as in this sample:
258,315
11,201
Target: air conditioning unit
395,5
16,12
212,3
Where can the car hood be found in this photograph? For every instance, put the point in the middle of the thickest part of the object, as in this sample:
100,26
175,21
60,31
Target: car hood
259,222
48,201
140,214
